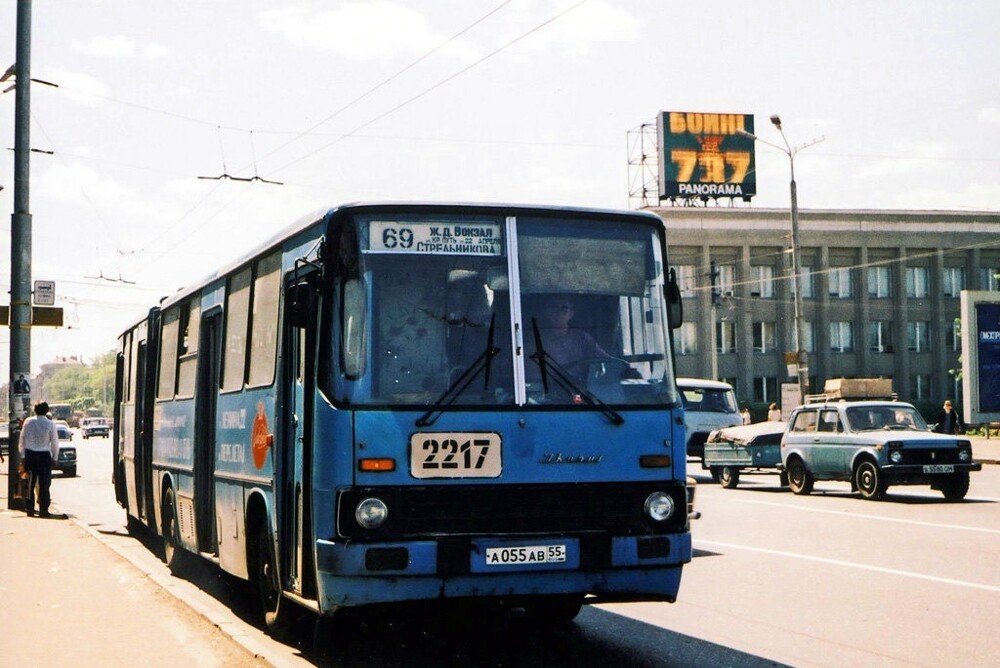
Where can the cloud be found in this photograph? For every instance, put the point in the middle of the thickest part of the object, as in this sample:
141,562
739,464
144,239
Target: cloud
354,30
78,86
575,32
990,115
117,46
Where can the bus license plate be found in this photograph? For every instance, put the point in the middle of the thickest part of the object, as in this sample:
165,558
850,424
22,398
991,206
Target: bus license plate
525,554
455,455
939,468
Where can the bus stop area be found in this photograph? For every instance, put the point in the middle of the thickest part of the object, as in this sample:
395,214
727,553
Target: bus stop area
73,598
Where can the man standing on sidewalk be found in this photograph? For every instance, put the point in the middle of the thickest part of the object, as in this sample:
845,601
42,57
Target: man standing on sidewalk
39,447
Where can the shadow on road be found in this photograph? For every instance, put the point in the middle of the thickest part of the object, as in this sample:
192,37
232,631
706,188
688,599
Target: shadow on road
468,635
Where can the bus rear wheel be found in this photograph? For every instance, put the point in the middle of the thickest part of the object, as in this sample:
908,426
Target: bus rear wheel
173,553
275,608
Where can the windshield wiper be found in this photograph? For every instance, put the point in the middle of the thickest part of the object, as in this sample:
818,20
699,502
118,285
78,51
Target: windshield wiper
565,380
483,363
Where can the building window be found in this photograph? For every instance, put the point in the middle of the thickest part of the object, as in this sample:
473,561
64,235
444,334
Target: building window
917,282
841,338
725,337
953,281
989,279
762,281
808,284
686,279
765,389
841,285
810,346
727,279
687,339
763,337
920,387
918,336
953,336
880,336
879,282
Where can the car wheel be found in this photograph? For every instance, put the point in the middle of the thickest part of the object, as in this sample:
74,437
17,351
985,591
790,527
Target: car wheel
868,479
173,553
69,472
956,487
800,481
729,477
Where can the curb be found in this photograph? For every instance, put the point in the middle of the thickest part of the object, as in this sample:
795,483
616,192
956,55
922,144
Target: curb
166,584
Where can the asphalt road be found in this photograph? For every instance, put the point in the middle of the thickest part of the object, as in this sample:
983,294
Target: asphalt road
823,580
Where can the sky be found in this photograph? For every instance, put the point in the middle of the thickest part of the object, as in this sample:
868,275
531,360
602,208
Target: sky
527,101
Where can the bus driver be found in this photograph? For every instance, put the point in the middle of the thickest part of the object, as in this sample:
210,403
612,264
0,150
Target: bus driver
564,344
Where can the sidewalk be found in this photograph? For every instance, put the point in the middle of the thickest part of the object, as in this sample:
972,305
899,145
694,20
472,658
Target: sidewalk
986,450
74,601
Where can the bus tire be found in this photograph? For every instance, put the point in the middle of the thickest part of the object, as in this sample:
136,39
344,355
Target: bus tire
554,610
275,609
173,552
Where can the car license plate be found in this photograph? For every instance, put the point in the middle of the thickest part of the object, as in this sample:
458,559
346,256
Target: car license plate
525,554
939,468
455,455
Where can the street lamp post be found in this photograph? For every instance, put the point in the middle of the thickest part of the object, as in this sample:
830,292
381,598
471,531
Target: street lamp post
800,326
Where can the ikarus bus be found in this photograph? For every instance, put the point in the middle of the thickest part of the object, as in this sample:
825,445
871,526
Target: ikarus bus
411,402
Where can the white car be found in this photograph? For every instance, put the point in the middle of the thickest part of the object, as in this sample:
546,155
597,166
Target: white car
708,405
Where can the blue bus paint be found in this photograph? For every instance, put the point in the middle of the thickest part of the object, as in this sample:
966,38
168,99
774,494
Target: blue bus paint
408,425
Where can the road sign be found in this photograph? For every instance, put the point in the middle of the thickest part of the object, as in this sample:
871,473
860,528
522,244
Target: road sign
45,293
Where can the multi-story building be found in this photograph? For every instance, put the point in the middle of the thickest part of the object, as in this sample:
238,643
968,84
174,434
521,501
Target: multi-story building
880,294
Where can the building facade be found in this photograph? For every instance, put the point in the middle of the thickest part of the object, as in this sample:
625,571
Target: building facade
880,294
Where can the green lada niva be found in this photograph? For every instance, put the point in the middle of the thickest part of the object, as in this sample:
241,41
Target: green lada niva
873,444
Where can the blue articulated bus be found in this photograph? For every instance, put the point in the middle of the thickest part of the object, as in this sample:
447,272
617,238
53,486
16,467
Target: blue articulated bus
413,402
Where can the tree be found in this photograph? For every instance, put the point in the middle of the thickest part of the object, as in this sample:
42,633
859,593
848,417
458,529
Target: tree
89,387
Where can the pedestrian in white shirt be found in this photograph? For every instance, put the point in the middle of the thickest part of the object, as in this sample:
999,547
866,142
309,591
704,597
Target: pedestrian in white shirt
39,447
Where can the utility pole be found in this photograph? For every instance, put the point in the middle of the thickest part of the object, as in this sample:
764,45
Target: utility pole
713,273
20,247
801,357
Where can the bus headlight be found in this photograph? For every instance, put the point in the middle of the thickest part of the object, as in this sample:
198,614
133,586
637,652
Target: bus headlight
659,506
896,456
371,513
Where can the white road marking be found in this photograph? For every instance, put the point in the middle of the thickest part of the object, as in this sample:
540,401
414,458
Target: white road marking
850,564
883,518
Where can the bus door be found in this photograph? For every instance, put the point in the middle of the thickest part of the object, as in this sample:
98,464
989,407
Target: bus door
207,393
299,373
143,438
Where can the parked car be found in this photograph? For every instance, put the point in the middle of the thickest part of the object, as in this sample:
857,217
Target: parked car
708,405
754,447
4,439
873,444
67,453
94,426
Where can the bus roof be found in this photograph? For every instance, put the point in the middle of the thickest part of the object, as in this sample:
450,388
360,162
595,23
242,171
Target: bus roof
325,214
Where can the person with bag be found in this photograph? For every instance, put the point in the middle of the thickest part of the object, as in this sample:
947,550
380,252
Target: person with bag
39,447
949,421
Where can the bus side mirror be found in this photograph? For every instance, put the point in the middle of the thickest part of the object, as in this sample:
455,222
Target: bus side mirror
299,304
353,328
675,306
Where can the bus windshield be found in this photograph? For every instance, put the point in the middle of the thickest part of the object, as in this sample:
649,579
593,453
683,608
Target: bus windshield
572,314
